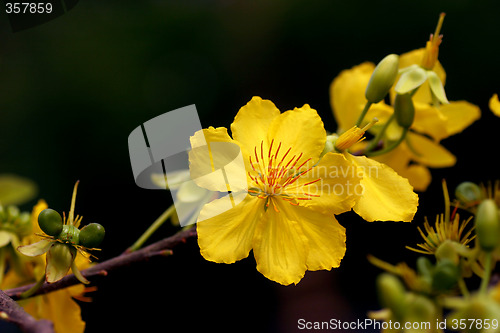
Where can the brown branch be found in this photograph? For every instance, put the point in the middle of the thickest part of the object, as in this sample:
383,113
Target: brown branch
11,311
160,248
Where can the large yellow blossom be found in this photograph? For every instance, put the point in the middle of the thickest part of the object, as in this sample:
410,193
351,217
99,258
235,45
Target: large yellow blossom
282,205
421,150
59,306
287,199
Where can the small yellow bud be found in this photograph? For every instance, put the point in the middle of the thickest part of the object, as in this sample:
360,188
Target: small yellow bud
487,225
382,79
352,136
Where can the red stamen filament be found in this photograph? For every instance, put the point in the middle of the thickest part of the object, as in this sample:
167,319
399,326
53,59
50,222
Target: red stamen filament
276,179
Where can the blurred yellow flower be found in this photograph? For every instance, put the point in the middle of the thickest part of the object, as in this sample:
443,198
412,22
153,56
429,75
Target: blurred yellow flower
421,149
287,199
495,105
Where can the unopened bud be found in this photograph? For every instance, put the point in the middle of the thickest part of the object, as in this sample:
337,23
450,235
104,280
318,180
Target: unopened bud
382,79
446,275
487,225
329,144
391,293
468,193
404,110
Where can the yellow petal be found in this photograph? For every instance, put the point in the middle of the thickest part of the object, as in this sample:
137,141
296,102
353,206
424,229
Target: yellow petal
399,160
251,124
423,94
347,98
418,175
387,196
302,130
459,115
430,153
280,246
337,187
63,311
347,94
216,161
494,105
430,120
227,235
325,238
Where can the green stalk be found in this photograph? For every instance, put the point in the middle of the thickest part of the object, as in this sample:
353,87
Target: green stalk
152,228
33,289
487,274
363,113
389,148
380,134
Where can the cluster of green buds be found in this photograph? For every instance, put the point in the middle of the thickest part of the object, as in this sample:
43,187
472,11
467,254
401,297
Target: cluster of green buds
14,226
484,203
435,289
62,240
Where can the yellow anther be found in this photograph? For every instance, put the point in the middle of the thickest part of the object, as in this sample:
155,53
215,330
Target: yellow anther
353,136
432,46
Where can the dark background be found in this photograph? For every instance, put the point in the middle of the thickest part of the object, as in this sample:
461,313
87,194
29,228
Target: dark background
72,90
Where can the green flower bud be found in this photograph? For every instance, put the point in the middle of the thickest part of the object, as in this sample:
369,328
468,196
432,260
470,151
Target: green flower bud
420,309
70,234
391,293
92,235
50,222
445,275
487,225
22,225
468,193
382,79
404,110
12,212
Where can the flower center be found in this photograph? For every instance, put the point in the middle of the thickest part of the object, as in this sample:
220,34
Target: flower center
276,176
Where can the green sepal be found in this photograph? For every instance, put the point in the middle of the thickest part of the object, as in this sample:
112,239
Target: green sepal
36,249
5,237
78,274
437,87
411,79
60,257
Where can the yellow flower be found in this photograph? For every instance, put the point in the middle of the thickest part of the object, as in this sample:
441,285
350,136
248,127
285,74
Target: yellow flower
495,105
283,208
421,149
59,306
